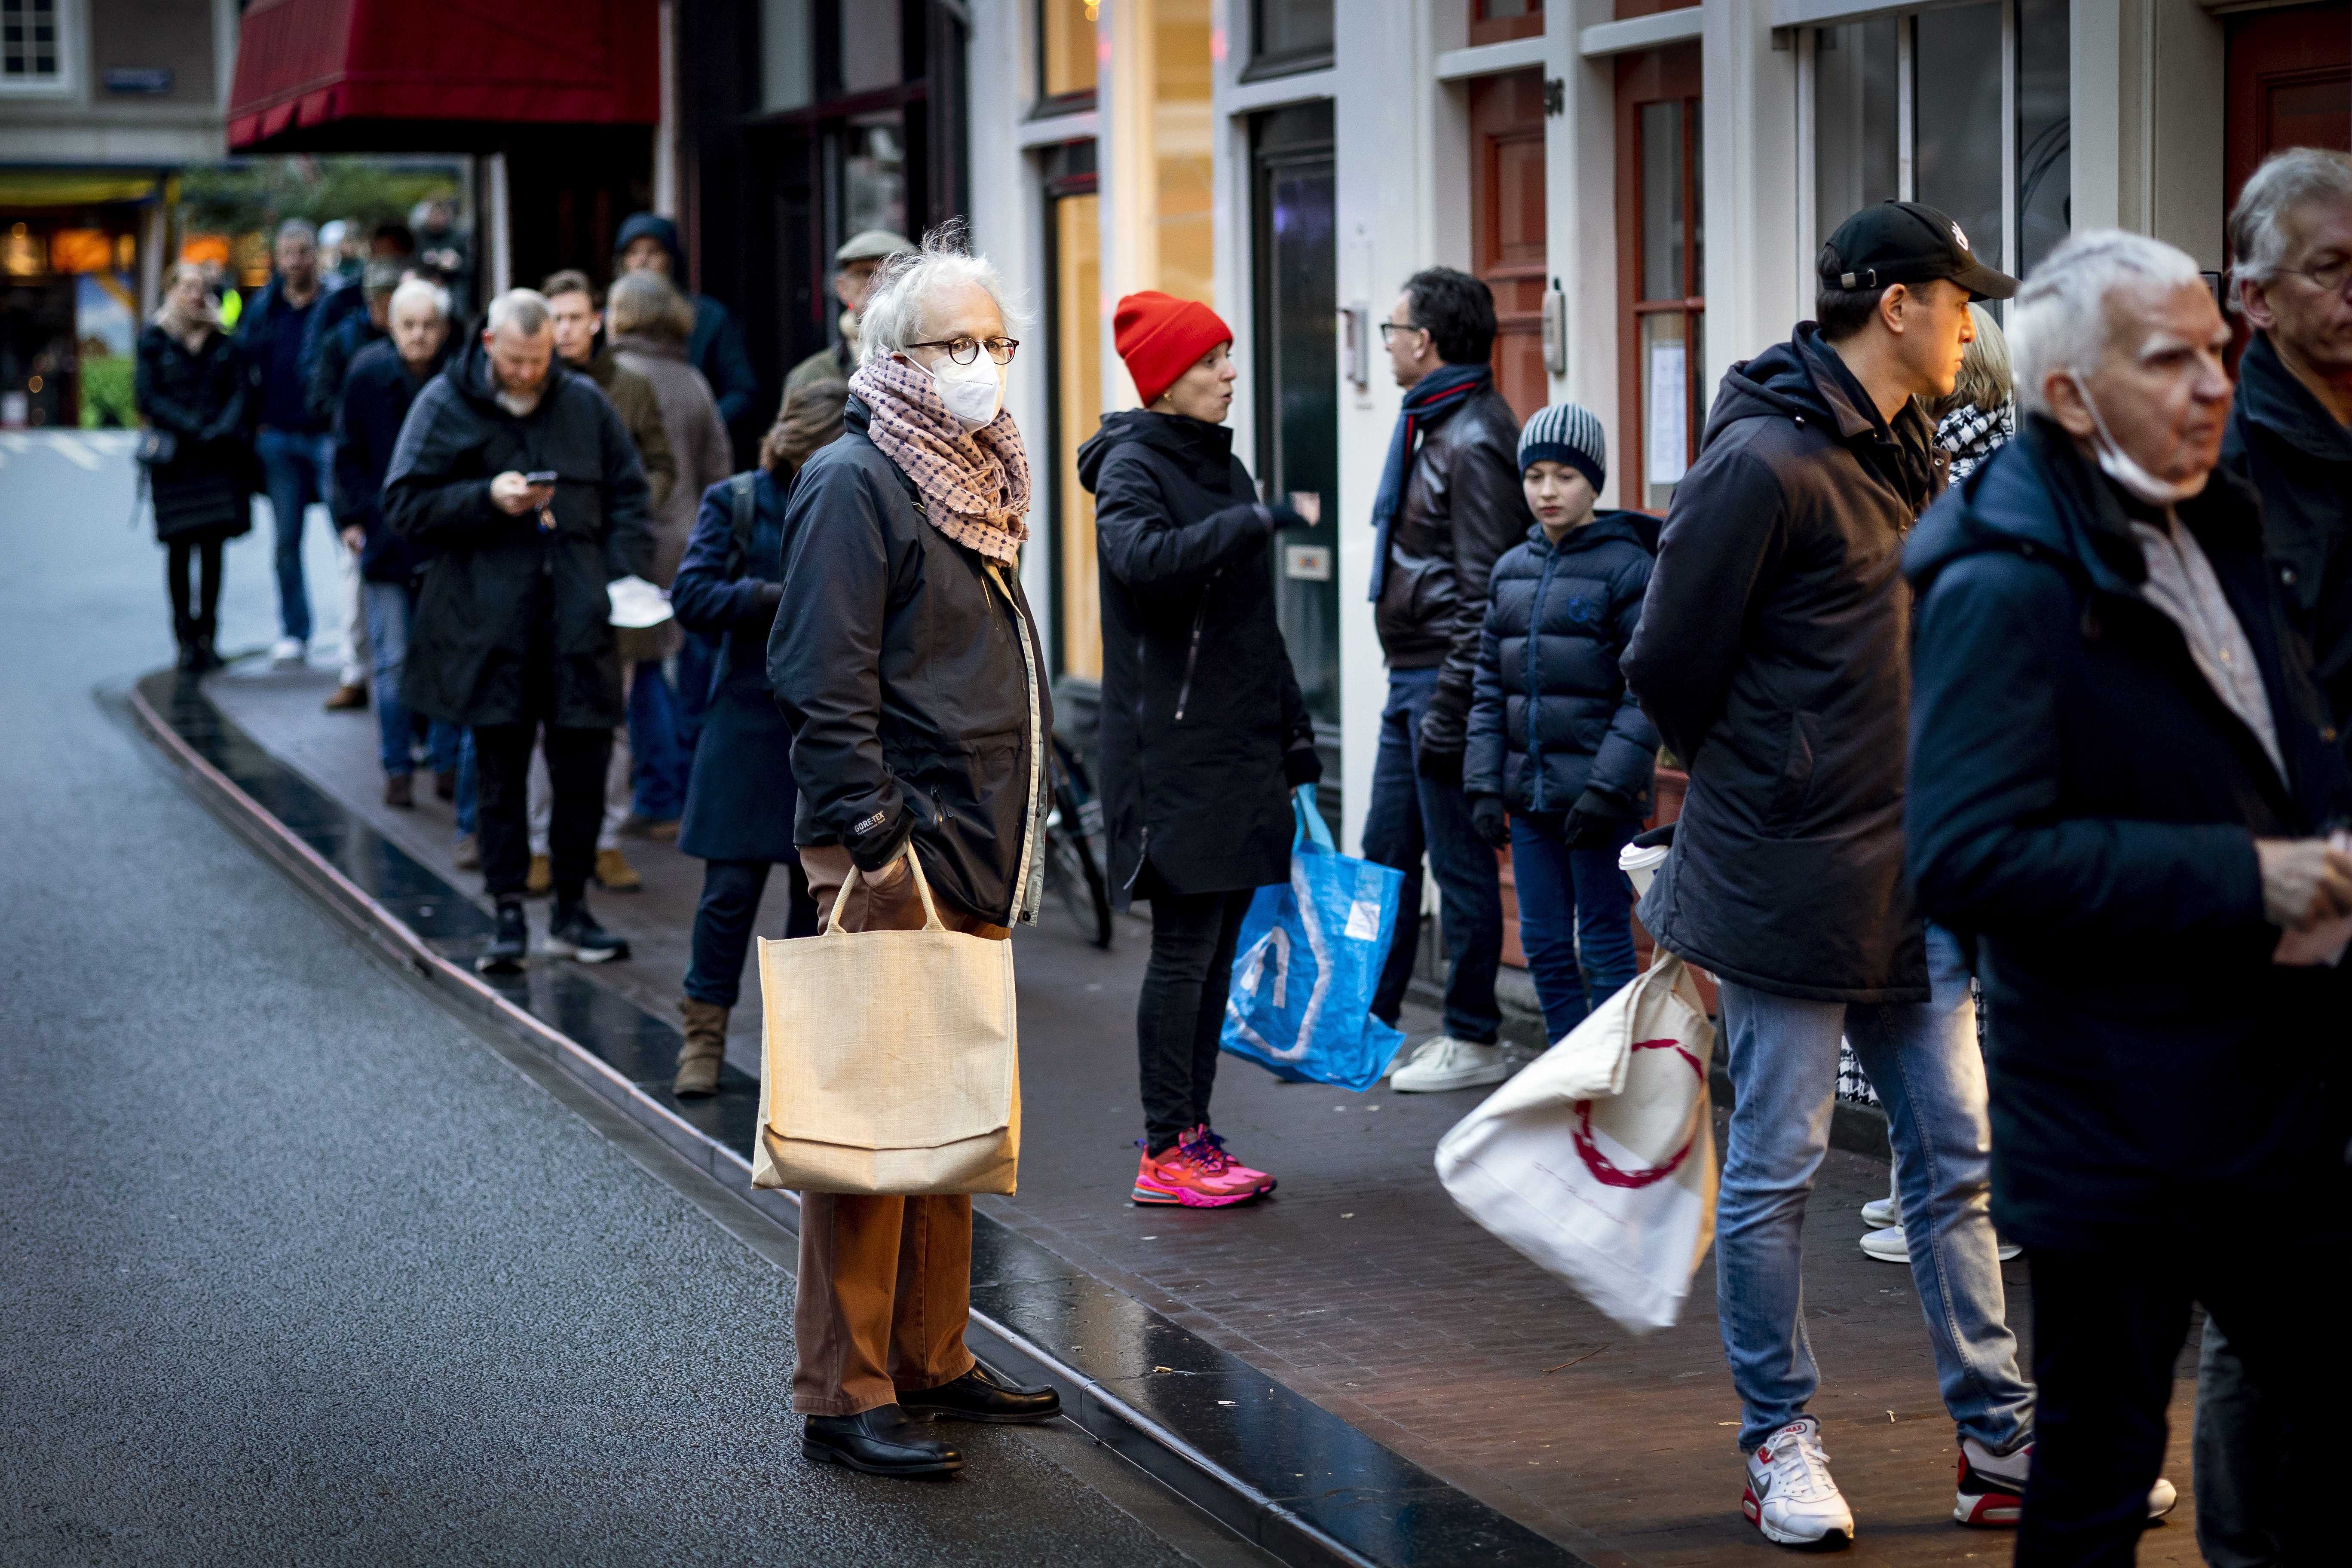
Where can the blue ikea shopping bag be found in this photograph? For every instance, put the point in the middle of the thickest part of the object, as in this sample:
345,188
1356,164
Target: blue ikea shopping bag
1307,960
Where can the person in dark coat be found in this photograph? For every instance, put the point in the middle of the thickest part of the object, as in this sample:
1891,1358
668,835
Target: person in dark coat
331,355
906,660
739,801
191,387
377,392
1204,731
289,440
513,623
2120,774
1771,655
1561,759
647,242
2290,436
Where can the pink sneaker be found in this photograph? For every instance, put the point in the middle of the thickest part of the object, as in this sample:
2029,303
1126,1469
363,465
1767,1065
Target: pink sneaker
1210,1151
1181,1176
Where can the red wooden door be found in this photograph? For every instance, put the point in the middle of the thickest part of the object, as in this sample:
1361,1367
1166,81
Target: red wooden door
2289,77
1506,225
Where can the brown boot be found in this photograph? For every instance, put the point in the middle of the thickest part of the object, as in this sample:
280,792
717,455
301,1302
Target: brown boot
706,1048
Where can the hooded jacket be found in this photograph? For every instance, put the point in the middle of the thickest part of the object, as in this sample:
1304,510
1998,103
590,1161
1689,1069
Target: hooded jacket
2282,440
375,400
694,433
1200,710
2086,806
1773,656
1552,716
716,349
203,400
632,397
504,592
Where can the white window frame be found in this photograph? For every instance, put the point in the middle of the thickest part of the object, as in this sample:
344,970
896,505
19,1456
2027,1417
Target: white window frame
68,83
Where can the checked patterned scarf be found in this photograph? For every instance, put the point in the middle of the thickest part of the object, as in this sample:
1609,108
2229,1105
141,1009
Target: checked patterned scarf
976,485
1971,434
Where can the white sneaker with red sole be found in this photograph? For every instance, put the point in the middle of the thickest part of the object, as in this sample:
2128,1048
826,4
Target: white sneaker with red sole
1790,1497
1992,1488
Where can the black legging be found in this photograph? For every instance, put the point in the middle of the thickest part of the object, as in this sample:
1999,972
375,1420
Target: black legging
1181,1012
722,924
194,624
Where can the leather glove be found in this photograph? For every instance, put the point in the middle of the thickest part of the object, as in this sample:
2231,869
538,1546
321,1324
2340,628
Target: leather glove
1443,767
1595,821
1279,517
1300,765
1493,823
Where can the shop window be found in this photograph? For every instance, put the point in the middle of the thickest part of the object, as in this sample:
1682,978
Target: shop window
1661,261
1289,36
873,174
785,79
1857,147
1066,54
1179,240
872,52
2045,195
1956,122
1493,21
1074,306
32,45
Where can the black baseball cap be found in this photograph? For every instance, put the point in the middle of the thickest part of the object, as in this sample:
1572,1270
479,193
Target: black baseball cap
1907,242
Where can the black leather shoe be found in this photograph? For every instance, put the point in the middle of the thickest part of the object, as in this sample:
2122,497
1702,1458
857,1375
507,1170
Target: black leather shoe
880,1442
980,1396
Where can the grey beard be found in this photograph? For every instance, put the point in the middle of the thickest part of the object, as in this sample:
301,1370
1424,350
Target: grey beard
521,403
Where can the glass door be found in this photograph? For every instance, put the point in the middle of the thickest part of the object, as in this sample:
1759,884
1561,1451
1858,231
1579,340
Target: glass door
1660,264
1074,308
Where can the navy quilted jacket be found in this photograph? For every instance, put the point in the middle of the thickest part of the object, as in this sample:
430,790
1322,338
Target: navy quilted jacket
1549,715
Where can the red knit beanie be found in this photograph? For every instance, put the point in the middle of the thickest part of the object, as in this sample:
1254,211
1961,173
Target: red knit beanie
1161,337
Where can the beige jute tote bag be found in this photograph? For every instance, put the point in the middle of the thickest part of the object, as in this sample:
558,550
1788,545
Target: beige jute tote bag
890,1060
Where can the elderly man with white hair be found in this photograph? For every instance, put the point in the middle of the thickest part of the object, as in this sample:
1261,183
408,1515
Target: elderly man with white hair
906,658
514,476
2121,774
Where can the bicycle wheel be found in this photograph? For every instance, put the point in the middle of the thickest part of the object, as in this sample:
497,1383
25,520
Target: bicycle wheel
1075,870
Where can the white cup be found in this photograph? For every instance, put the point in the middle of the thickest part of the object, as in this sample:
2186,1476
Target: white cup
1640,862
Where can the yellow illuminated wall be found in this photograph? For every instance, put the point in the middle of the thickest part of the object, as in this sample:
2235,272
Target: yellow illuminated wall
1077,343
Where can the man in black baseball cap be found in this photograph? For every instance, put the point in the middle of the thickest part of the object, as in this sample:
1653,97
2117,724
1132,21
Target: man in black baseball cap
1773,655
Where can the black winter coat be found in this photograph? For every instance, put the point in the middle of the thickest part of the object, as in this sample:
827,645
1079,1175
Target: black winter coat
377,396
256,336
1552,716
2085,805
1773,655
1461,508
502,592
1200,710
898,658
201,399
330,361
2283,441
740,802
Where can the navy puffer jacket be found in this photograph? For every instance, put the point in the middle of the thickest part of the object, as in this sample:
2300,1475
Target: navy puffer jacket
1550,713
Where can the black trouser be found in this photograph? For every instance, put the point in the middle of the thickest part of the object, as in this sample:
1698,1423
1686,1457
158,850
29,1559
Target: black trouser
732,890
194,622
2235,1457
2107,1331
1182,1009
575,777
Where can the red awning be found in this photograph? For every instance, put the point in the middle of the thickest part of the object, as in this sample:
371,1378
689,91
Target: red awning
402,64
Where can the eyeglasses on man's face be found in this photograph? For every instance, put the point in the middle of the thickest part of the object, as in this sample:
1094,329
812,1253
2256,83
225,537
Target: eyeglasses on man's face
1388,330
963,351
2330,275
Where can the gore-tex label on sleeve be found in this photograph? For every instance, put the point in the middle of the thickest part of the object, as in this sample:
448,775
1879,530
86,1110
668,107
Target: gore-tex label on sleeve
869,824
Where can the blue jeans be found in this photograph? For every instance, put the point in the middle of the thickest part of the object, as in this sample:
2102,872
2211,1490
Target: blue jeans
470,785
1782,1055
1576,918
390,608
1411,816
294,468
661,763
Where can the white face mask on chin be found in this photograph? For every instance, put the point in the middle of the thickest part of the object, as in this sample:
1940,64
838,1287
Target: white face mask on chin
974,393
2125,470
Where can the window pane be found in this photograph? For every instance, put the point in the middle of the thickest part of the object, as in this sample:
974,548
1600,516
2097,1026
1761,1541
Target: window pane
784,75
869,44
1182,145
1956,121
1292,26
874,174
1661,200
1854,107
1665,408
1077,396
2044,164
1067,29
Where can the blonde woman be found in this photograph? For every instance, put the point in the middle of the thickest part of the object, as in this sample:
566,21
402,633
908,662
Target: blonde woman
191,390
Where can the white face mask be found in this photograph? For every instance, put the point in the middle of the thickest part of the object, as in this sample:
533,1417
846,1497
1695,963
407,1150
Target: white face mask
974,392
2125,470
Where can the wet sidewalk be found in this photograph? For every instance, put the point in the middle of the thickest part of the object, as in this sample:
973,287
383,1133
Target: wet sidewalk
1360,1287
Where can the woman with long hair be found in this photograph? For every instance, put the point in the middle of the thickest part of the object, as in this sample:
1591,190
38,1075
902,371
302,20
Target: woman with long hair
191,390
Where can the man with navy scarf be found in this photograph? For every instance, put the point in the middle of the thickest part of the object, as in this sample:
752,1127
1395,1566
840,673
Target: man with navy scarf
1449,504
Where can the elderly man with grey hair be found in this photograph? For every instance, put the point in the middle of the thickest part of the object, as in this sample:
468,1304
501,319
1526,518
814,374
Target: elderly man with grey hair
2121,777
906,658
517,482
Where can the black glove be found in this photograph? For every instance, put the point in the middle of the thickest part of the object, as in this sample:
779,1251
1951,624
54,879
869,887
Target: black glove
1493,823
1300,765
1595,820
1443,767
1279,517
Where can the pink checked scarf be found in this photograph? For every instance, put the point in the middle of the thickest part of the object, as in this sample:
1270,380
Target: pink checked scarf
975,487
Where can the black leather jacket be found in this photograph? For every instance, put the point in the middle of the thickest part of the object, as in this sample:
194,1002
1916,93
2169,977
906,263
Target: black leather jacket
1462,508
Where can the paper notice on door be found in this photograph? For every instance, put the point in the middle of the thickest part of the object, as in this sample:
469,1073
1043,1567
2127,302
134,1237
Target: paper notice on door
1668,424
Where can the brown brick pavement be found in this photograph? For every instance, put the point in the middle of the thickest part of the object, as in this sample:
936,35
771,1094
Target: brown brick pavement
1360,1285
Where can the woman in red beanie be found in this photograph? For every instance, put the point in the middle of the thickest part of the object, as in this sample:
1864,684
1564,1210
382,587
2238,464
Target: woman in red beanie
1204,731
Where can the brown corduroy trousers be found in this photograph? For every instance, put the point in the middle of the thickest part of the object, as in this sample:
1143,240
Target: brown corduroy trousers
885,1282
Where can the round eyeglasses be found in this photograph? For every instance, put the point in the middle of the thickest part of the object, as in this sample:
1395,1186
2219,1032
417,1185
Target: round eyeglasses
963,351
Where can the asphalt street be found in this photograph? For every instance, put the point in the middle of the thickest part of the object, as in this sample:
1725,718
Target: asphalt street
296,1267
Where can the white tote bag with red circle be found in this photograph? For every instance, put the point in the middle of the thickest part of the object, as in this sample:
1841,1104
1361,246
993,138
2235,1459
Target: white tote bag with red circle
1598,1159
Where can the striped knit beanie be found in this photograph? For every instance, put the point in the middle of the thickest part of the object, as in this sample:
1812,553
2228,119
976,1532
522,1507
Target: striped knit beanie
1566,433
